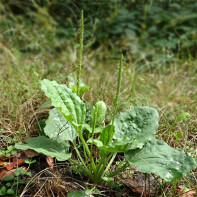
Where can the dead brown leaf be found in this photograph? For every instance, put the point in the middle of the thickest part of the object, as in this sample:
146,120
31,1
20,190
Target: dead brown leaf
30,153
190,193
50,162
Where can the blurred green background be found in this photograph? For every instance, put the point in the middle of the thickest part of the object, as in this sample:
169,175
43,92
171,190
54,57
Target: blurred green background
143,26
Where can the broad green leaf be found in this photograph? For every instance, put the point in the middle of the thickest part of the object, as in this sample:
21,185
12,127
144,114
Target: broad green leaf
8,184
139,124
47,147
117,146
19,172
58,127
106,144
96,142
10,191
120,145
159,158
98,112
7,178
107,135
3,190
66,101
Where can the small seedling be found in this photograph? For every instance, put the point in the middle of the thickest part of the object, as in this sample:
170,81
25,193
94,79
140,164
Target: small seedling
7,152
9,184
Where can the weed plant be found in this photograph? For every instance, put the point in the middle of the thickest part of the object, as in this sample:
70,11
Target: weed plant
130,132
169,86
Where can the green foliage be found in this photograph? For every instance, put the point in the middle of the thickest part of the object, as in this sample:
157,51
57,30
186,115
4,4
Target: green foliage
98,113
58,127
156,25
7,152
84,193
46,146
9,184
66,101
178,136
138,124
159,158
133,133
107,134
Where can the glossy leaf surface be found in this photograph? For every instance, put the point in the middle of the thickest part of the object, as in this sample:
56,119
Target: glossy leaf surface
47,147
58,127
159,158
98,112
107,134
139,124
65,100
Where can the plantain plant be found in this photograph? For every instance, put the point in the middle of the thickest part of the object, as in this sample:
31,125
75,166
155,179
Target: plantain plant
130,132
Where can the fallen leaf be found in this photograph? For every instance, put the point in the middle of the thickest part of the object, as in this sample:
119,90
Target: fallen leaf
4,173
50,162
186,192
30,153
9,165
14,163
18,162
135,187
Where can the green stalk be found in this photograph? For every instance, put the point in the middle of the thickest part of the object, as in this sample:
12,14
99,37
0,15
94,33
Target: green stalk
100,164
83,169
80,52
117,171
103,163
93,128
118,87
79,155
109,164
87,150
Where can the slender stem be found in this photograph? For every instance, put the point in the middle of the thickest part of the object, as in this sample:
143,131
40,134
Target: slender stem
109,164
87,150
101,170
117,171
85,155
145,176
83,169
100,164
79,155
118,87
80,52
93,128
173,188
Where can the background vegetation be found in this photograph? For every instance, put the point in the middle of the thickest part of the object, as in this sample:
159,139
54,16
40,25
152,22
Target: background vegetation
39,39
